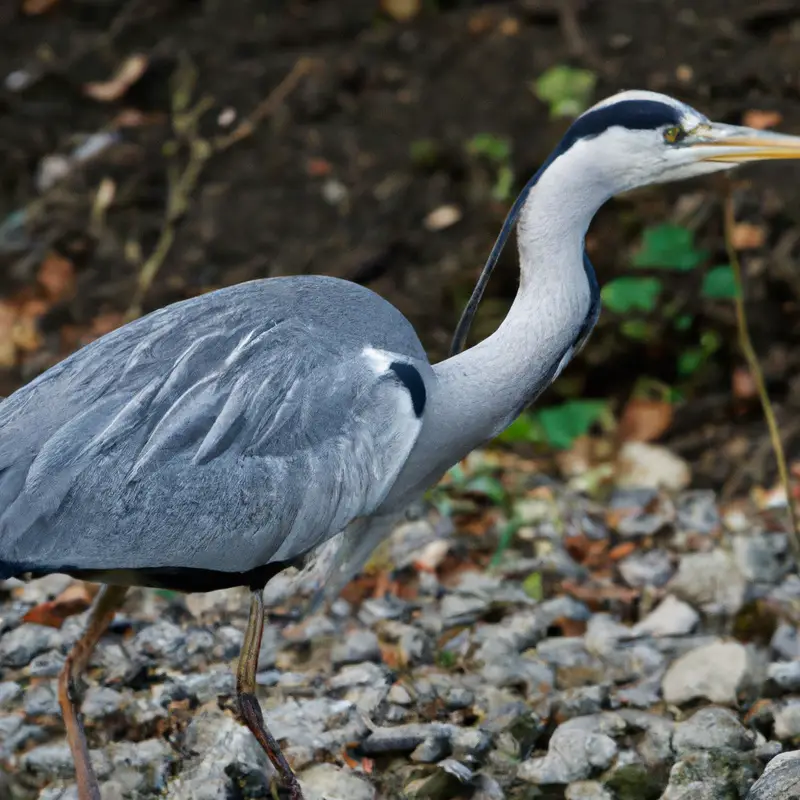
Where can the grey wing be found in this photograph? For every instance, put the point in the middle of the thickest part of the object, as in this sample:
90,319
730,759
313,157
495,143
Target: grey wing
249,447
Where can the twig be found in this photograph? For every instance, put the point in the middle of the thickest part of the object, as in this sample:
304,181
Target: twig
755,370
181,184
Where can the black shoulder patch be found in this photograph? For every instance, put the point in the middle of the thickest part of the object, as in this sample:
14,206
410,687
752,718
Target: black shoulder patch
638,115
409,376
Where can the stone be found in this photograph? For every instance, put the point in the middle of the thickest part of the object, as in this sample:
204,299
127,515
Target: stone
648,568
573,754
646,465
716,672
787,721
696,511
366,674
587,790
786,641
404,738
329,782
672,617
762,558
710,581
784,676
42,700
359,645
712,775
712,728
20,646
10,691
580,701
487,788
46,665
163,642
55,761
140,767
101,701
68,792
780,779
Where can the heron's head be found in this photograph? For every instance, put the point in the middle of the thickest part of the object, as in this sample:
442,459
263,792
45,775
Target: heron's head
637,138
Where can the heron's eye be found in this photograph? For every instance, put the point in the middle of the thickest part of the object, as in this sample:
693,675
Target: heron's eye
674,134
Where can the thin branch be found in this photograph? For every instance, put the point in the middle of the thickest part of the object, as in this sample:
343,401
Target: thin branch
746,345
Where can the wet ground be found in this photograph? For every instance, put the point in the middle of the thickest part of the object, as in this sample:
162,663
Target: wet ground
345,167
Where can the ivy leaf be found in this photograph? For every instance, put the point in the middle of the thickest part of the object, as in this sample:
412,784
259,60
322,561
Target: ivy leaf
564,423
720,284
566,90
631,294
668,247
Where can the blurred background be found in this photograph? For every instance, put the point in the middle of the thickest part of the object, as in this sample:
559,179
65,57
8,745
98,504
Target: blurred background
151,150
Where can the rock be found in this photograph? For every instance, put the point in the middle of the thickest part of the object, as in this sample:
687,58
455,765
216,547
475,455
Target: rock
696,511
644,465
787,721
222,602
10,691
487,788
69,792
314,723
784,676
163,642
229,641
43,589
19,647
712,775
460,609
101,701
786,642
711,729
202,686
42,700
329,782
672,617
587,790
141,767
366,674
648,568
762,557
399,694
517,670
573,754
710,581
580,702
781,779
359,645
46,665
225,758
716,672
404,738
55,761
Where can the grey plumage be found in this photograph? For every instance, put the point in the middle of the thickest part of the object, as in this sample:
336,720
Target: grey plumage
225,433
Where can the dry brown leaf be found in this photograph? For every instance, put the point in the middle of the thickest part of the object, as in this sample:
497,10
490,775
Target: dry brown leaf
75,599
622,550
26,334
402,10
761,119
598,594
747,236
8,349
318,167
128,73
34,7
644,420
56,276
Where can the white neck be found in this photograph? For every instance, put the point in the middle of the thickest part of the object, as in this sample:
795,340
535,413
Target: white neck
479,392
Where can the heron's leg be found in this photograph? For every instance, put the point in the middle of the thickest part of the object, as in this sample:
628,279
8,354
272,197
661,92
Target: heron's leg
109,599
249,708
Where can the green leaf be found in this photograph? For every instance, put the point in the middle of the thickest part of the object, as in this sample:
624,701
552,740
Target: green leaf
668,247
495,148
637,329
525,428
719,283
683,322
504,184
631,294
565,423
689,361
489,486
532,586
566,90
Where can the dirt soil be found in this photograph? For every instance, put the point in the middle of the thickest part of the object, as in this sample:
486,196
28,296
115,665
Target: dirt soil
328,182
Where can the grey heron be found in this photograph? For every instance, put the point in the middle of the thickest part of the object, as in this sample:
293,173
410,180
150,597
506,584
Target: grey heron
219,440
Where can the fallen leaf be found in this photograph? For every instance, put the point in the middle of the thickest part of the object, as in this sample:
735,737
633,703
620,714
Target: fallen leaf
747,236
599,594
318,167
643,465
570,627
128,73
402,10
622,550
34,7
8,349
56,276
75,599
761,119
644,420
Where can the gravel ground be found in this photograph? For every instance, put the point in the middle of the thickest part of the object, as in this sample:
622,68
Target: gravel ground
658,659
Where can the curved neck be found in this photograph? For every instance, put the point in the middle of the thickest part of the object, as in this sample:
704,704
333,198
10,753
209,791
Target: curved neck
479,392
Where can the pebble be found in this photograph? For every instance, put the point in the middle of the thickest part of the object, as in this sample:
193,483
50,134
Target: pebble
101,701
712,728
162,641
716,672
9,692
647,568
19,647
46,665
55,761
784,676
712,775
762,558
710,581
672,617
787,721
42,700
696,512
641,464
786,641
573,754
329,782
587,790
359,645
780,779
